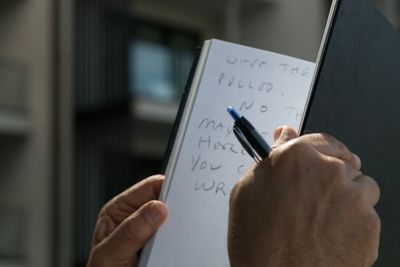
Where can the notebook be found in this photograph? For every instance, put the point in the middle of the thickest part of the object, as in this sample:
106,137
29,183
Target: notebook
355,98
206,160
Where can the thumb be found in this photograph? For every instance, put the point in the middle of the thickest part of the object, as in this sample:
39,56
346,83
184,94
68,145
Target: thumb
122,246
283,134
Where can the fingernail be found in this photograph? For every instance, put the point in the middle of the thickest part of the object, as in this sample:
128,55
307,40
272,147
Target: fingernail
153,213
278,132
357,160
284,133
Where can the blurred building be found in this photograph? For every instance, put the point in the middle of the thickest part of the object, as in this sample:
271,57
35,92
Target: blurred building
89,90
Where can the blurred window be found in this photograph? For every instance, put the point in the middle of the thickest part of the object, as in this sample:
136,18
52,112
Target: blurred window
159,62
151,72
13,83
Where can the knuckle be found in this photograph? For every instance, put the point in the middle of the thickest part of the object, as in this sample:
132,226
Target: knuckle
358,198
296,148
374,221
375,187
332,140
105,210
329,140
318,138
335,174
339,167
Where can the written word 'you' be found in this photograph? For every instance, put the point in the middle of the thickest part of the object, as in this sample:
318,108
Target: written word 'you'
201,164
234,82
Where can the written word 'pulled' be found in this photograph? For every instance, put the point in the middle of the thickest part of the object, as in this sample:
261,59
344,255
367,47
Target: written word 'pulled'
234,82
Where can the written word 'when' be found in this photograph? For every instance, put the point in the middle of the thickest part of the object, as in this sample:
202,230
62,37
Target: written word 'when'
246,62
260,63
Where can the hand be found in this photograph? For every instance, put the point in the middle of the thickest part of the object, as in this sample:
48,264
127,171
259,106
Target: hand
308,204
125,223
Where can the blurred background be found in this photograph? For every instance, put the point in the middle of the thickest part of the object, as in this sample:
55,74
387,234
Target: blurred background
89,91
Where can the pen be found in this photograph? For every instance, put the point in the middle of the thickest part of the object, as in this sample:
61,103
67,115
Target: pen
249,137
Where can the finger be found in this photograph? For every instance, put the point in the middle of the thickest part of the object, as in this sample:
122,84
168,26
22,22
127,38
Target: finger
341,167
370,188
129,237
330,146
283,134
123,205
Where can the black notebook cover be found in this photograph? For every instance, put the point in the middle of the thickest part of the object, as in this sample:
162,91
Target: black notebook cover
356,98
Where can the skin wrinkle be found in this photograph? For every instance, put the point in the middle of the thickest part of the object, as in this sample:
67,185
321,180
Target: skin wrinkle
105,228
150,187
123,209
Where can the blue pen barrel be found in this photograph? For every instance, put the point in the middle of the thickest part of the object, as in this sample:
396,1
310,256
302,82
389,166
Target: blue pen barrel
253,137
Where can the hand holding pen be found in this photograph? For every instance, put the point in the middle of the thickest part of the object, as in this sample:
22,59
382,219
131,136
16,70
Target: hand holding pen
307,203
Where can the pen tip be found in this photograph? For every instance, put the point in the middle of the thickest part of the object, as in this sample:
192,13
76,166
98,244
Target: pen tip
235,115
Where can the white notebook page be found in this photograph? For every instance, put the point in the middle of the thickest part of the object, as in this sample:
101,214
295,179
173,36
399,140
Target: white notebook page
270,90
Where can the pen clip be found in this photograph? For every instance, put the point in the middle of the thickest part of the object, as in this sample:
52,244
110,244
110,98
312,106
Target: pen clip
246,145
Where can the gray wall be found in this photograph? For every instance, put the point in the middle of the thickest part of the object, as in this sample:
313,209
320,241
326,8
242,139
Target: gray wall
25,171
290,27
